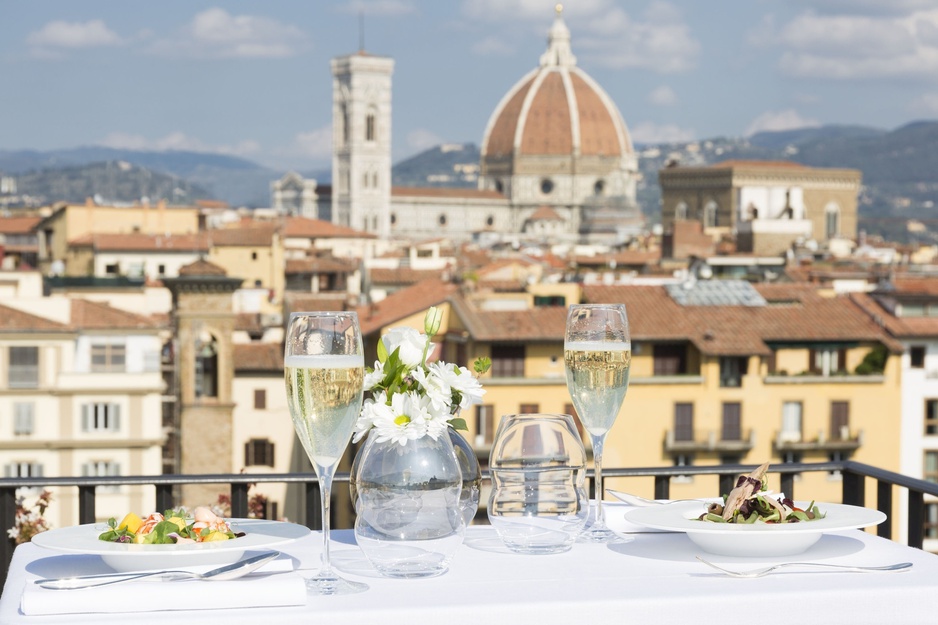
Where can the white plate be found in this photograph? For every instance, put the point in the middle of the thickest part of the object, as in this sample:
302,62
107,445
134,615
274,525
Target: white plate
83,539
760,539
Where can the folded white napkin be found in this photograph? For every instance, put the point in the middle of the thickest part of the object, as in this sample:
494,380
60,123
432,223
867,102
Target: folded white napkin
274,584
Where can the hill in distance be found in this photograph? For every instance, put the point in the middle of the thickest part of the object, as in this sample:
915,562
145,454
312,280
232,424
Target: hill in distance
900,170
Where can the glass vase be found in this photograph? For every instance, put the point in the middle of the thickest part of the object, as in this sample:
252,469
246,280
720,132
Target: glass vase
409,519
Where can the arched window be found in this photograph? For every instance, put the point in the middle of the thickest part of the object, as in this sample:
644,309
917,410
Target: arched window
206,366
393,219
490,221
599,187
499,186
344,114
831,220
547,185
443,219
710,214
370,126
680,211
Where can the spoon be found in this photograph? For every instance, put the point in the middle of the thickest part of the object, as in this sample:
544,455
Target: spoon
222,573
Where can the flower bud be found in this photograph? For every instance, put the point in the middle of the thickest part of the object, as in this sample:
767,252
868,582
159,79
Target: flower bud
432,321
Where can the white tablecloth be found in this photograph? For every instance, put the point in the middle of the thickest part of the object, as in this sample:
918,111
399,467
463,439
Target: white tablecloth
653,578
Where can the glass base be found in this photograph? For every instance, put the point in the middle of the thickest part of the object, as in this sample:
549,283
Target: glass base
599,535
332,584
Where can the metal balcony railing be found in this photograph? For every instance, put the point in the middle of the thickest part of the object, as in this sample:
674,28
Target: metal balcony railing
853,493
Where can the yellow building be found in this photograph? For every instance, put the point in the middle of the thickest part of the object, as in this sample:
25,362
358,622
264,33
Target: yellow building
252,251
73,221
769,375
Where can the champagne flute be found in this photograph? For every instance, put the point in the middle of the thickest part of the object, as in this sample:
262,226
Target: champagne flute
597,352
324,370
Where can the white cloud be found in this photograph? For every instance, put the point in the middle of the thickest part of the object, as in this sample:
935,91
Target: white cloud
859,46
420,140
648,132
177,141
215,33
663,96
314,144
788,119
491,46
55,37
602,33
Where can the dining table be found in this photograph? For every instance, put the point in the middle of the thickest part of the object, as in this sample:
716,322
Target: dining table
649,576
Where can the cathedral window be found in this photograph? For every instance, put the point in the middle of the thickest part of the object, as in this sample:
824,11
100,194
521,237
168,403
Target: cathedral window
599,187
680,212
710,215
547,186
831,220
490,221
443,220
499,186
393,219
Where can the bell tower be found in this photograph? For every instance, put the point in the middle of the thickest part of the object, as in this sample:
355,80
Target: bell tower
361,142
203,323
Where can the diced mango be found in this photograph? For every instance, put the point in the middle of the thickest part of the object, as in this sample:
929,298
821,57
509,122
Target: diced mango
213,536
131,523
179,521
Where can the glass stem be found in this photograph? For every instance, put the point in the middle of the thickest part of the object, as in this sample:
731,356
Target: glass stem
598,442
325,496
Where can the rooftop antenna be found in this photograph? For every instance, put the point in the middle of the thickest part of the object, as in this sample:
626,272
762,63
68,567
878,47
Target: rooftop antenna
361,31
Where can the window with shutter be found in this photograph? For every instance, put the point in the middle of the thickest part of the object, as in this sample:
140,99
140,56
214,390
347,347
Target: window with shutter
22,418
23,371
259,452
732,421
485,424
683,422
100,417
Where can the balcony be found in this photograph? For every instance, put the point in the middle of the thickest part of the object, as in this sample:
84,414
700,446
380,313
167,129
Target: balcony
843,440
855,476
708,440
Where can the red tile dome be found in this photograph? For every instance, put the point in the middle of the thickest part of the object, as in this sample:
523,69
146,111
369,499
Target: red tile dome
556,110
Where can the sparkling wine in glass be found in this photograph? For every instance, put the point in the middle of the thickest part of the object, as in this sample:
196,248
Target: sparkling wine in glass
597,352
324,371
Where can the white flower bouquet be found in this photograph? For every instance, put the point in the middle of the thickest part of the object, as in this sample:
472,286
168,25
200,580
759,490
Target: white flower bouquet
411,398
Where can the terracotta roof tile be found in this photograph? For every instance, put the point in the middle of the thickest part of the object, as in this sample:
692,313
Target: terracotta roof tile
794,313
18,225
140,242
202,267
320,264
301,227
250,236
545,213
403,275
543,323
13,320
258,357
89,315
403,303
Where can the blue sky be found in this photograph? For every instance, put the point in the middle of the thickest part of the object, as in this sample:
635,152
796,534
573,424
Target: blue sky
252,78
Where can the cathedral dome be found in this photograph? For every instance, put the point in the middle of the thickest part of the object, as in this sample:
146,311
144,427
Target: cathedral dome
556,110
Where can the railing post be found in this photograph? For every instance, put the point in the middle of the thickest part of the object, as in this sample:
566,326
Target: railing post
787,482
164,497
884,504
662,487
916,518
854,488
727,482
239,500
86,504
313,506
8,520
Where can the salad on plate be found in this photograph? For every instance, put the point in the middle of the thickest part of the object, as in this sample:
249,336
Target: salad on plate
751,502
171,527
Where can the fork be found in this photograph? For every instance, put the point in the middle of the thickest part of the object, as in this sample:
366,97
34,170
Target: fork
901,566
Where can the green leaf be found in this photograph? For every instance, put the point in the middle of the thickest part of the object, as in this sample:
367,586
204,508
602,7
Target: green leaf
382,351
459,423
482,364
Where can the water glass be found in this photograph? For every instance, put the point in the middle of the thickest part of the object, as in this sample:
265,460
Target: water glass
538,502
